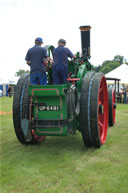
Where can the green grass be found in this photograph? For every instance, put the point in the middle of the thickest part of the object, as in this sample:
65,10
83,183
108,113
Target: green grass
63,164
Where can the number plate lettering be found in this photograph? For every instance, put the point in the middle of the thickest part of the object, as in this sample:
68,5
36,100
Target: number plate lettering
49,107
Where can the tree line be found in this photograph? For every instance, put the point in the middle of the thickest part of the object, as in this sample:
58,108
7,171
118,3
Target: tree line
109,65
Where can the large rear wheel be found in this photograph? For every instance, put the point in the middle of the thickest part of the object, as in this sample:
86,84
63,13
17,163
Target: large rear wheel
94,109
21,113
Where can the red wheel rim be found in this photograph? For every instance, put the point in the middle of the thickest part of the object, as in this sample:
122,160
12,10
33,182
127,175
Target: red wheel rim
38,138
113,106
103,110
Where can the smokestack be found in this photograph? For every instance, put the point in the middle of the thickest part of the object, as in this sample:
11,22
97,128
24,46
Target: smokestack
85,41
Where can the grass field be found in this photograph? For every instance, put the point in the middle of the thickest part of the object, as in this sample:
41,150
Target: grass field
63,164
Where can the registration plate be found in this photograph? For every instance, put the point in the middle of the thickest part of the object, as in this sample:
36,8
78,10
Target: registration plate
49,107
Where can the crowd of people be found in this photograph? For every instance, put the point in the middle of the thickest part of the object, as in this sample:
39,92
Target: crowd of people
122,96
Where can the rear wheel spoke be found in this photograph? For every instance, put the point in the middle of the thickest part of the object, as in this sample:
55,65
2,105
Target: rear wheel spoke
100,124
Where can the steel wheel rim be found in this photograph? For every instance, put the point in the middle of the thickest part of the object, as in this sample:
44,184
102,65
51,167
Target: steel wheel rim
103,110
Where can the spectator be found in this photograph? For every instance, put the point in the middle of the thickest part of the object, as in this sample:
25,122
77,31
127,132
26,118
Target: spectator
9,91
1,93
125,96
119,97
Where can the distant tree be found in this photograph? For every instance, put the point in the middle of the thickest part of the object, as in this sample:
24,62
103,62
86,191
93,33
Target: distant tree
96,68
106,62
113,65
109,66
106,69
119,59
21,72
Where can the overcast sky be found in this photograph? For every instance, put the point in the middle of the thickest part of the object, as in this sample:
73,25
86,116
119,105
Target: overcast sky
24,20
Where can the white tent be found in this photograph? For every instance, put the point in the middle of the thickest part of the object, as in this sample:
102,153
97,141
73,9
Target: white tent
5,82
120,72
10,80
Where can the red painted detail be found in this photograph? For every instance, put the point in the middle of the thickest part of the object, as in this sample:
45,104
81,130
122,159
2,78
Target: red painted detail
69,75
103,115
53,132
63,91
82,62
69,79
113,102
50,60
48,64
38,138
73,80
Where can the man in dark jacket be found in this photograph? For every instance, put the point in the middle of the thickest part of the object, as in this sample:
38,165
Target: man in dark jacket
35,58
9,91
60,66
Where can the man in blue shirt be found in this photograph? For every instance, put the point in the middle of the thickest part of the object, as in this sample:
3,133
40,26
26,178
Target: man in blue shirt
60,66
35,58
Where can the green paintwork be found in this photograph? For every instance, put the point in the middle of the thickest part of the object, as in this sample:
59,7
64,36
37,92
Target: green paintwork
81,73
49,95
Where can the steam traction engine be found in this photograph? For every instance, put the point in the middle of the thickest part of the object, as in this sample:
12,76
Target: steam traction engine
84,103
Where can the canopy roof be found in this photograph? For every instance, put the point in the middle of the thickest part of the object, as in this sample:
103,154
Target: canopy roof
12,80
120,72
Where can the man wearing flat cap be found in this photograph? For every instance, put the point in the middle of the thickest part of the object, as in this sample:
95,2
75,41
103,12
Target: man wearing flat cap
35,58
60,66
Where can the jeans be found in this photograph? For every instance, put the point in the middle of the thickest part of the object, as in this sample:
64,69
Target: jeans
38,78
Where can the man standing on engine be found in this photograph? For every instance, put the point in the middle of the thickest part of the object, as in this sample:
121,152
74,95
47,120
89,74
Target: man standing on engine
35,58
60,66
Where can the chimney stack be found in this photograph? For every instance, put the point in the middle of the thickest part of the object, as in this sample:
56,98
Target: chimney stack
85,41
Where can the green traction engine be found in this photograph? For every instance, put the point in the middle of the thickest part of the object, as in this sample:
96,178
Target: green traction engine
84,103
